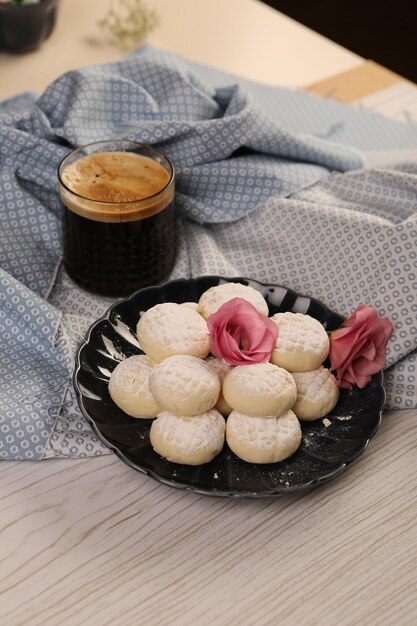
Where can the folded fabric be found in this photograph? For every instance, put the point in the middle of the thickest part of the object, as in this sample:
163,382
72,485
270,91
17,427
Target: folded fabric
269,186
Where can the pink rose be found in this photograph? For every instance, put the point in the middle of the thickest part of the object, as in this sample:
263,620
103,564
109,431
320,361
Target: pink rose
357,349
240,335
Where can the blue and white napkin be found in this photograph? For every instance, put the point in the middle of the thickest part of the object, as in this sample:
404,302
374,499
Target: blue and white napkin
273,184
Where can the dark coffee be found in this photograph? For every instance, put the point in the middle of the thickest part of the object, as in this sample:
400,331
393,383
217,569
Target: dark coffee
116,258
118,221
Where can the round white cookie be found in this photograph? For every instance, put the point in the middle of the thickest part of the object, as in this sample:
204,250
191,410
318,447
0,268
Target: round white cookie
188,440
221,369
213,298
317,393
129,387
263,439
184,385
302,343
190,305
259,389
168,328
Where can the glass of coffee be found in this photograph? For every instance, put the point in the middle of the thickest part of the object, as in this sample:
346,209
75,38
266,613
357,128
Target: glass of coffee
118,216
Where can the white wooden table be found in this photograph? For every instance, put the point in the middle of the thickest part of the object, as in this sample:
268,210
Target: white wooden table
242,36
93,542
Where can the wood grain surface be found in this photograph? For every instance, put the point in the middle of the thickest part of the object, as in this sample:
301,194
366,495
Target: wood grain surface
93,542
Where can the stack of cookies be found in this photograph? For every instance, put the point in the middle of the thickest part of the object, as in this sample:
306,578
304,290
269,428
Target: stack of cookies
191,392
269,399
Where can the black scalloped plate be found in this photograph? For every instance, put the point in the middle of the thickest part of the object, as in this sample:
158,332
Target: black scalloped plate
324,451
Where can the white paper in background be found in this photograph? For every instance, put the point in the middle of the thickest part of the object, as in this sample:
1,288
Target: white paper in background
398,102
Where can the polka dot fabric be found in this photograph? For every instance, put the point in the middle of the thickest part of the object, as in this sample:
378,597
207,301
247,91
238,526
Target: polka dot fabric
348,240
33,370
229,155
270,185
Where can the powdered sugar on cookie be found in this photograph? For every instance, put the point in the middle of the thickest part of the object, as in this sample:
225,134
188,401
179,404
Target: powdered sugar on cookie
168,328
302,343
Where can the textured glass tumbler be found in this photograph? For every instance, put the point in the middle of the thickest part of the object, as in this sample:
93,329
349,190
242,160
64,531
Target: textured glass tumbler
114,248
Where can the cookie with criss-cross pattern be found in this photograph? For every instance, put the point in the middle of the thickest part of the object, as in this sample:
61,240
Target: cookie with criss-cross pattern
213,298
168,328
184,385
302,343
317,393
263,439
129,387
189,440
259,389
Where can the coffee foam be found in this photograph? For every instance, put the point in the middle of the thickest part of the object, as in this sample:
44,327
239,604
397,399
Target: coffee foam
108,184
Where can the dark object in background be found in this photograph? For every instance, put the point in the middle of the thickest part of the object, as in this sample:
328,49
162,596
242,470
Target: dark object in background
383,31
24,28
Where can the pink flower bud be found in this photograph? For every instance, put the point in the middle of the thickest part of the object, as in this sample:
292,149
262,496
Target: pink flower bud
240,335
357,348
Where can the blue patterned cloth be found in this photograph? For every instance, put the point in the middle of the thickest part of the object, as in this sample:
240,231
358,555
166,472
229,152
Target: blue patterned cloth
272,183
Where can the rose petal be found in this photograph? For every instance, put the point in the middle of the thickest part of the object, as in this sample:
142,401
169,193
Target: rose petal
368,351
344,385
229,345
352,345
363,367
362,381
254,326
340,346
348,375
362,315
234,331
